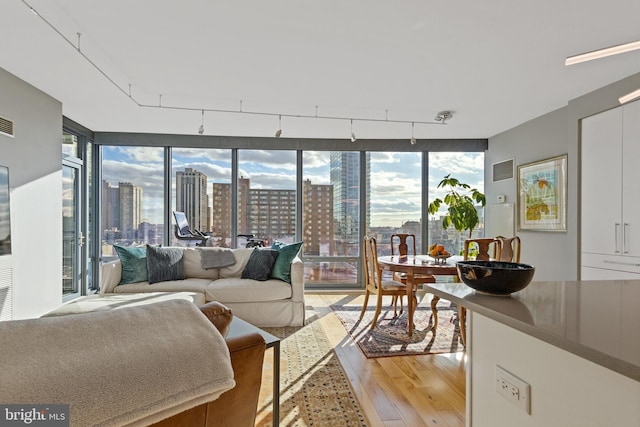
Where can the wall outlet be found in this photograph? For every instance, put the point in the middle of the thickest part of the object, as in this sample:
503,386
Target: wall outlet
513,389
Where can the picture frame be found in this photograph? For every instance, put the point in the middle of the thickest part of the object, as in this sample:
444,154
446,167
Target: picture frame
542,195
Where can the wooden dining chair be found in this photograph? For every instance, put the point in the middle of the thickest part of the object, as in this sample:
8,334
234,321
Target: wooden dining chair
510,249
400,244
485,247
374,282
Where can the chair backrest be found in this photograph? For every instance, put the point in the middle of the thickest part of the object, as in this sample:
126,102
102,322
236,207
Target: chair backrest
370,253
510,248
182,224
484,245
404,240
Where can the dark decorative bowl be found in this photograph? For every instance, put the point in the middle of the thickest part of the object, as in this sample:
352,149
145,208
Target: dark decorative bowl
495,277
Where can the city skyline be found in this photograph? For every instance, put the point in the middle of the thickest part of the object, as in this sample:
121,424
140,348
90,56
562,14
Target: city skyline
395,190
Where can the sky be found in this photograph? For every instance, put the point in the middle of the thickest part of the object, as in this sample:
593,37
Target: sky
395,177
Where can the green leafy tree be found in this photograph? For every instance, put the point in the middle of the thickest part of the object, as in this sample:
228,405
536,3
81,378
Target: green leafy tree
461,200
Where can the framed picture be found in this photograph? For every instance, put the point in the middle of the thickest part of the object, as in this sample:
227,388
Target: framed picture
542,195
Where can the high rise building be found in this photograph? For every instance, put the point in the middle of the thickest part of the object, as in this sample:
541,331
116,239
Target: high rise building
191,198
221,213
271,214
110,206
345,179
317,219
130,209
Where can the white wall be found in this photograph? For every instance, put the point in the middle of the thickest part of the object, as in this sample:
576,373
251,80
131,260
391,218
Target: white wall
538,139
555,255
34,159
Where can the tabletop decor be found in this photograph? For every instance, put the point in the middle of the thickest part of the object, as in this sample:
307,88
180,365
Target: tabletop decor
495,277
542,195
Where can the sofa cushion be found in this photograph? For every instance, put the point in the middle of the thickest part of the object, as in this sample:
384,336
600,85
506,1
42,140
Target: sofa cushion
193,265
242,257
247,290
260,264
164,264
134,263
282,267
186,285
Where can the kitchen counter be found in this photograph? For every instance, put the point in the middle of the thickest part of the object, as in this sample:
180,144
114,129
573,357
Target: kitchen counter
595,320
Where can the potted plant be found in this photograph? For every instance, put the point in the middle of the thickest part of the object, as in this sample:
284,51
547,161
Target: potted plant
461,200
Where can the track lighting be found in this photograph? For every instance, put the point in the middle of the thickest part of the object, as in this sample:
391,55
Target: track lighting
130,94
201,128
443,116
353,135
279,131
413,138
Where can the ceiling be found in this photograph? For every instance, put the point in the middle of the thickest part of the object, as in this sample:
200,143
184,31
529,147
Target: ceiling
494,64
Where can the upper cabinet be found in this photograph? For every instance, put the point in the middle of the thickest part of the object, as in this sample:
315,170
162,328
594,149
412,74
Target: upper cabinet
610,177
602,182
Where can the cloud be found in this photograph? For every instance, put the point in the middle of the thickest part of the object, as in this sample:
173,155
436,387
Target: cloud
316,159
268,158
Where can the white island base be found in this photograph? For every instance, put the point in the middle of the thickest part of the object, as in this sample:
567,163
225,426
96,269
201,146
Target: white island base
566,390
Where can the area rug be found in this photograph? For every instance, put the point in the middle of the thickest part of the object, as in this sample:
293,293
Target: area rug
390,338
314,389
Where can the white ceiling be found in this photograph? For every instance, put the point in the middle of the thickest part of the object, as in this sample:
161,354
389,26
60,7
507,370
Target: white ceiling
493,63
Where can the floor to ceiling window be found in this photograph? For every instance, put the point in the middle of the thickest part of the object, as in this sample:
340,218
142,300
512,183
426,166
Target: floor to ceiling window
267,195
133,202
331,217
201,188
467,167
343,195
395,197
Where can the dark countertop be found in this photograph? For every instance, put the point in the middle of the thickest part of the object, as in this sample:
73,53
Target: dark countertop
596,320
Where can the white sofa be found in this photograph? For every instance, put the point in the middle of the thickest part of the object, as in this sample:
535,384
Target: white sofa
271,302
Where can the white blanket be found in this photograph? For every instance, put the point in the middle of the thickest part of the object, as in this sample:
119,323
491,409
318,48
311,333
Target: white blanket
127,367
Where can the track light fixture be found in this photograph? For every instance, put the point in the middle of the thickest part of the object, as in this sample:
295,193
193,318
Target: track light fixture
443,116
353,135
279,131
201,128
413,138
129,94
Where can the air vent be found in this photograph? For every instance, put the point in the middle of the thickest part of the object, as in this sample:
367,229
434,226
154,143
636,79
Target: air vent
6,126
503,170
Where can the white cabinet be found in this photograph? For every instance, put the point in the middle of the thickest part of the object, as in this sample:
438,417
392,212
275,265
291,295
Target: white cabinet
610,180
631,179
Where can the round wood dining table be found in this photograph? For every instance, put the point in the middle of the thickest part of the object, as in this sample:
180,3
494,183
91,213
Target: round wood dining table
414,265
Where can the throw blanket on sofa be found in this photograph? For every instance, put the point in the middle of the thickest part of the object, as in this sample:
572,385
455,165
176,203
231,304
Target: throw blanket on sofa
127,367
216,257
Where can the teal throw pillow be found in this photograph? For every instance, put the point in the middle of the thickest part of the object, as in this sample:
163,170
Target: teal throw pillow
282,267
134,264
165,264
260,264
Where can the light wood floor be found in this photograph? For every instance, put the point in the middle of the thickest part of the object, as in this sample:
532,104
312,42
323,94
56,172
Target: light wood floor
398,391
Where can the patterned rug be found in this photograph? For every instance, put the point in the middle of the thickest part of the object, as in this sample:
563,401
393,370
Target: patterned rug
390,338
314,389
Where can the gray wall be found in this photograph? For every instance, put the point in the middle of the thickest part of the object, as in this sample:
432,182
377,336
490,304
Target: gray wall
34,159
555,255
